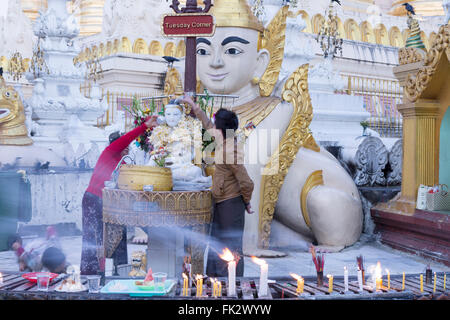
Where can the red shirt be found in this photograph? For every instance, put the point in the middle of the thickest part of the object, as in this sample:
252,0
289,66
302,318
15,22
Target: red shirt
109,159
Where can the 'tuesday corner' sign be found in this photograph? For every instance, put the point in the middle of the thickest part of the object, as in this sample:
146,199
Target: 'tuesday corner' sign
188,25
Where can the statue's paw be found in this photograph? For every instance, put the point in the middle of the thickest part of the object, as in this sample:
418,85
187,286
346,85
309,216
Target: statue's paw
328,249
264,253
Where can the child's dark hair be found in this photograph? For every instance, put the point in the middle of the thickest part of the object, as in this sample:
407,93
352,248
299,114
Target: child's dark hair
226,120
13,238
52,258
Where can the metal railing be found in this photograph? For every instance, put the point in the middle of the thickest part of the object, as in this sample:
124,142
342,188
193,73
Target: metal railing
381,97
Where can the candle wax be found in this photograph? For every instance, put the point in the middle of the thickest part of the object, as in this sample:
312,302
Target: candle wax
263,282
345,279
232,278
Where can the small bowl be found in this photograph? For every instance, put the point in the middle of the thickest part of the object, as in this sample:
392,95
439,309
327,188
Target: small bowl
32,276
110,184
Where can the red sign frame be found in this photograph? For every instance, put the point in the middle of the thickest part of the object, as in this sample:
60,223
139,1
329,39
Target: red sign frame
188,25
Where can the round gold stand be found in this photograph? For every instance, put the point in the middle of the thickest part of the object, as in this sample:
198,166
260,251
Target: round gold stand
189,209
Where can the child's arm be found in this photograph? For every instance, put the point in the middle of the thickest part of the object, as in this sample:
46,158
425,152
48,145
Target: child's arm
245,182
199,113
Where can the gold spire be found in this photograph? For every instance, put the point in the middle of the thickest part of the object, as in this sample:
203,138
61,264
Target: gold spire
235,13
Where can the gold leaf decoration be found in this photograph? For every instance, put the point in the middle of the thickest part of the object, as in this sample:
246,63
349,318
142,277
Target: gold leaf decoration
416,84
273,41
295,91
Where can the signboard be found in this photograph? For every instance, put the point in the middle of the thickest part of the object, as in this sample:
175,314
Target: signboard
188,25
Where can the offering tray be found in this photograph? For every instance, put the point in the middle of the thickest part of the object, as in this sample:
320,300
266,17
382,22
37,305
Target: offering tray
129,287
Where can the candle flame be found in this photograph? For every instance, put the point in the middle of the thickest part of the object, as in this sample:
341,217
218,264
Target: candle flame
258,261
378,271
226,255
329,276
198,277
295,276
184,275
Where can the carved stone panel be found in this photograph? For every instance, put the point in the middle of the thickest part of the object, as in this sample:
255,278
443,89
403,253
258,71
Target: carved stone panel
371,159
395,160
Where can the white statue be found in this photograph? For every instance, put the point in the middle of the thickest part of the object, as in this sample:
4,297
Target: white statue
304,207
133,18
17,33
181,137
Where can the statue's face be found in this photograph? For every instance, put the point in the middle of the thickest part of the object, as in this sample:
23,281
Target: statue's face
173,116
228,61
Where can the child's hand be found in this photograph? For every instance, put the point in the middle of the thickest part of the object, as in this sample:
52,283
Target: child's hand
248,208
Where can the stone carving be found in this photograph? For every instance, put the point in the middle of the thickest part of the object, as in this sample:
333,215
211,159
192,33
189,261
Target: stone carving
371,159
395,160
15,31
133,18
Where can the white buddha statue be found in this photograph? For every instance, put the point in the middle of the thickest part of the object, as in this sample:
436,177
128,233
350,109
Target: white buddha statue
181,137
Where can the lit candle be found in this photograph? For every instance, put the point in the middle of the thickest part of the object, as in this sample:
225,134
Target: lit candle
434,284
360,280
403,282
228,256
263,282
185,285
220,288
345,279
199,285
300,282
379,283
330,283
1,278
389,279
214,287
445,280
421,283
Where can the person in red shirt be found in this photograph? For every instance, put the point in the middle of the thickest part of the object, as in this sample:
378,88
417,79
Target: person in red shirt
92,252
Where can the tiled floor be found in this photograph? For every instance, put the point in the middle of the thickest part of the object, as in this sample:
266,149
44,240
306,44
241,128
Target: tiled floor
298,262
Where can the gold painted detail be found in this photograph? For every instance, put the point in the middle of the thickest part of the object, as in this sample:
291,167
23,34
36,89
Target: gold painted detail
314,179
273,41
416,84
133,177
172,83
235,13
255,112
12,117
154,209
409,55
295,91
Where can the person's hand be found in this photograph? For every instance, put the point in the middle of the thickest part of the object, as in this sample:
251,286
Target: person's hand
248,208
151,122
188,100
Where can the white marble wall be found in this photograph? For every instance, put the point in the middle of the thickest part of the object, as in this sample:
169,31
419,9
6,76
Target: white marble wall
57,197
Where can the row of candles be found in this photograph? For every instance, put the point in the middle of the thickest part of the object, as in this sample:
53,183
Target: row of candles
263,281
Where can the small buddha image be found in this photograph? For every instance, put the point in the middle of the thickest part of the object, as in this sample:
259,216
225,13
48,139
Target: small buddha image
180,137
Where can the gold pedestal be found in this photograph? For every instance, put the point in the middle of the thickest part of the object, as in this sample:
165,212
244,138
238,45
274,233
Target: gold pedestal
187,209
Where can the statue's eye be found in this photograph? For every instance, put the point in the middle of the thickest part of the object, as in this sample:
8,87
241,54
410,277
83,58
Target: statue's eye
202,52
233,51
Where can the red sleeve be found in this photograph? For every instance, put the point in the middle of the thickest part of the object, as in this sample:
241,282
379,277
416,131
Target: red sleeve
120,144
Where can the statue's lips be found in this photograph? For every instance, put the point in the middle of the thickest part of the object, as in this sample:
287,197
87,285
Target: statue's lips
217,77
4,113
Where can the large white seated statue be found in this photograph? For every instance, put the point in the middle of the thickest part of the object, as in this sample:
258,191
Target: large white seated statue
301,192
181,137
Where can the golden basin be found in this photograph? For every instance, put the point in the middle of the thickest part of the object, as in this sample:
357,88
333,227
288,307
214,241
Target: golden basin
132,177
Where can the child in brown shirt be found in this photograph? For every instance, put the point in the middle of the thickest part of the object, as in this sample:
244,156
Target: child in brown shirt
232,190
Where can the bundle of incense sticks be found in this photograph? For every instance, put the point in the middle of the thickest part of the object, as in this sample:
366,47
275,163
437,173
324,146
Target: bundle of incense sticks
318,259
360,262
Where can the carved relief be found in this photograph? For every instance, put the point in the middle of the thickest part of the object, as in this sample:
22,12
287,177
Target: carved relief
371,159
395,161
